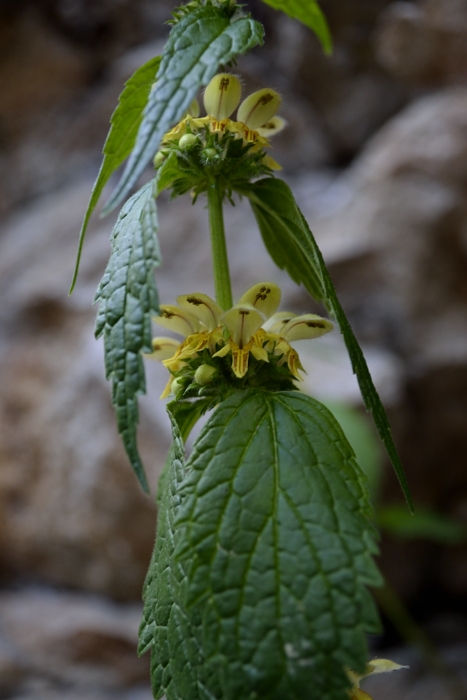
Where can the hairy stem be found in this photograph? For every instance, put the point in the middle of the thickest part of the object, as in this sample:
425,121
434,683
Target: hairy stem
220,260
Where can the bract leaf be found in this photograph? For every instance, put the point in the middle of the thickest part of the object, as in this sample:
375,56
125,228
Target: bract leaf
124,122
292,245
308,12
197,45
128,296
274,538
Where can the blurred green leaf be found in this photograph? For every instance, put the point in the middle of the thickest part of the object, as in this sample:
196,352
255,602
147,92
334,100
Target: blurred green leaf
363,438
308,12
125,123
423,524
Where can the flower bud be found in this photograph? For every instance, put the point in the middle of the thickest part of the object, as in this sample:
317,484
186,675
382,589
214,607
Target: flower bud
187,141
159,159
204,374
259,108
222,96
177,386
209,153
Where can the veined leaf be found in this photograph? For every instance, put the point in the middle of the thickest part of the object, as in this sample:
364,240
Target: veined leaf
177,662
274,538
271,197
128,295
198,44
308,12
124,122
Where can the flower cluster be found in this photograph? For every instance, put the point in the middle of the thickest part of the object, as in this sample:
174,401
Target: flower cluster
374,667
251,328
256,122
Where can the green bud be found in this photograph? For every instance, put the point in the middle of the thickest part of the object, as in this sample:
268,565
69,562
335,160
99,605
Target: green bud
210,153
177,386
187,141
222,96
204,374
159,159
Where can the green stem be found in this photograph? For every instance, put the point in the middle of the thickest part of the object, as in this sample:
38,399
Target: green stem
220,260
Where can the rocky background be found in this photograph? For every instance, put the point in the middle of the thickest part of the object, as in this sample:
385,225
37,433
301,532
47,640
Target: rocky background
376,151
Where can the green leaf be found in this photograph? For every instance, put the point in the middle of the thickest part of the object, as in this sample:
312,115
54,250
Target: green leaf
423,524
197,46
281,227
272,199
274,537
187,413
125,123
309,13
128,295
364,441
168,172
177,662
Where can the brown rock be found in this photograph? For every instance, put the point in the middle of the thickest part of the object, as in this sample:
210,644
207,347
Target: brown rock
73,639
424,44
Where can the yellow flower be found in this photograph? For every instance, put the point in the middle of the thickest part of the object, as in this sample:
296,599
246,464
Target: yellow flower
250,327
374,667
256,120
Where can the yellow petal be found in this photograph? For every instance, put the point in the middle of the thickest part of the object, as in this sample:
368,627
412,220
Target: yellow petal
272,127
168,388
223,351
382,666
193,109
271,163
163,349
359,694
259,353
222,96
264,296
177,320
240,358
278,321
259,108
294,363
306,326
202,307
242,320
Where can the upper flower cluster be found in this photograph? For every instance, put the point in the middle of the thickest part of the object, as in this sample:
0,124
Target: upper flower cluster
256,118
252,327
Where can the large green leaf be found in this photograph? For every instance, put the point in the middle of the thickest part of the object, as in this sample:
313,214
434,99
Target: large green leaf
128,295
309,13
125,123
294,247
197,45
274,538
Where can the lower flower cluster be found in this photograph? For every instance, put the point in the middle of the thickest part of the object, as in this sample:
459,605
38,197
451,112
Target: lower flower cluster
248,345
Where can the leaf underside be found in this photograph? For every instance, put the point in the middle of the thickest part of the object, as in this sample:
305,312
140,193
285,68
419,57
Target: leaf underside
121,138
292,245
198,44
263,554
128,296
309,13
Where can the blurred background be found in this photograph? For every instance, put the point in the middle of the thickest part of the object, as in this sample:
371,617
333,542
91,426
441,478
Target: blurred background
376,152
